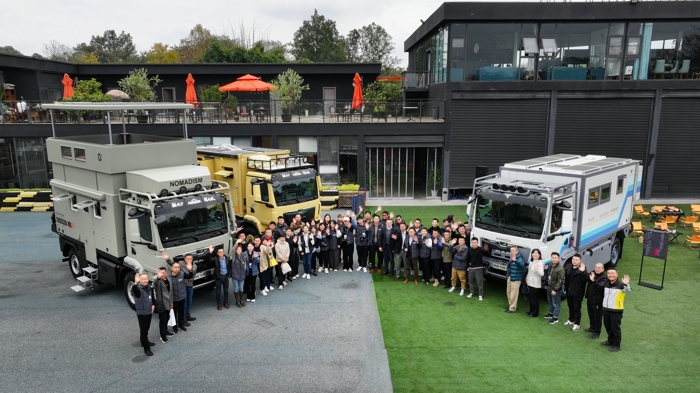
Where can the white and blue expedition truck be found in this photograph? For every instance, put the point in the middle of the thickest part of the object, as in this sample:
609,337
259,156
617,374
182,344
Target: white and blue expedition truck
564,203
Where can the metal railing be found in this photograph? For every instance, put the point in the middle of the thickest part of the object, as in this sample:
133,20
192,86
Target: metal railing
264,111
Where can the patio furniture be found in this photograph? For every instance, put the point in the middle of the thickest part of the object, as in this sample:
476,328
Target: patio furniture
692,241
637,228
689,221
673,70
639,210
695,209
659,68
685,69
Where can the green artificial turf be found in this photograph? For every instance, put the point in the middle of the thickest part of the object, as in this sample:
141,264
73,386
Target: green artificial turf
440,342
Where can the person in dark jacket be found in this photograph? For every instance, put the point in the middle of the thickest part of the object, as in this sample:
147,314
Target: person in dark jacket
475,268
575,284
252,261
324,232
238,269
436,254
162,299
349,248
280,229
189,269
412,250
426,245
555,282
459,263
516,270
177,284
361,243
291,239
334,246
222,268
143,300
375,232
594,300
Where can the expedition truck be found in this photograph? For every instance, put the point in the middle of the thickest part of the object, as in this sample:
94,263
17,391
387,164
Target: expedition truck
564,203
118,206
265,184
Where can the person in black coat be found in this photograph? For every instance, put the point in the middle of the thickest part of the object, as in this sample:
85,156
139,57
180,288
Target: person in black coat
143,301
222,272
374,240
389,244
594,300
575,283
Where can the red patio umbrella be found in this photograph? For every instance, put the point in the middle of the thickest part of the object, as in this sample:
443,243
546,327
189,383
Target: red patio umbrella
357,100
67,86
247,83
190,94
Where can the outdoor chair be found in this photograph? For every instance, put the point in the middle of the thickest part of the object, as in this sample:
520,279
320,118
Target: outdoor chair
696,227
692,241
659,68
662,226
689,221
685,69
637,228
695,209
332,112
669,221
639,210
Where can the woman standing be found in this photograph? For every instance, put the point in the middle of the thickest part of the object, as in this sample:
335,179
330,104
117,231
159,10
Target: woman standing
282,252
238,274
306,248
534,282
252,259
334,247
323,233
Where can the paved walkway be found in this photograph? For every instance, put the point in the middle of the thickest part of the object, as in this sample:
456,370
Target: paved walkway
318,335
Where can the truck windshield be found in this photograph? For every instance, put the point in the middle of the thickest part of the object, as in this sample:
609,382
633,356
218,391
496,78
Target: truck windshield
192,224
296,190
519,215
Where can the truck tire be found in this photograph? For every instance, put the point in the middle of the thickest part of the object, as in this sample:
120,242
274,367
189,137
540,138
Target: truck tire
615,252
128,284
250,232
75,263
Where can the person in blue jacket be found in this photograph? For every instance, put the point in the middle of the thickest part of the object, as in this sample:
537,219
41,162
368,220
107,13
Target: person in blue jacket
516,268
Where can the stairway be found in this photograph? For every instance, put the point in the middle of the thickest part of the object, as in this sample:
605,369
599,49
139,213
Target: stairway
87,280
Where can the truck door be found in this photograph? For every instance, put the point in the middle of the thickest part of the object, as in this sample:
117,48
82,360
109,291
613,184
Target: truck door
85,227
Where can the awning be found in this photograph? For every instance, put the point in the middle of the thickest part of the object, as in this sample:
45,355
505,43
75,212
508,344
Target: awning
224,174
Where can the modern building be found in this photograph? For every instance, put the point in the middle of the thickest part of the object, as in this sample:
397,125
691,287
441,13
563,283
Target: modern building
487,83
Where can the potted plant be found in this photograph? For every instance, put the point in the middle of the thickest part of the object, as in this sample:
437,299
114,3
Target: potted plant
306,109
434,181
141,88
287,90
88,91
231,104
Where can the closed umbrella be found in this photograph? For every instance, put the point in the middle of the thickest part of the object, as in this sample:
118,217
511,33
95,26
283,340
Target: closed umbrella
190,93
357,100
67,86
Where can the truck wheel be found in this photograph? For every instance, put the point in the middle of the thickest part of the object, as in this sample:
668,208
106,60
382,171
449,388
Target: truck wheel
615,253
250,232
75,264
128,284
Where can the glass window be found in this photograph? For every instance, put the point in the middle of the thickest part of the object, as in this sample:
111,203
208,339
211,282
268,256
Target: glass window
605,193
457,69
290,143
31,159
459,29
530,45
66,152
593,197
666,50
457,47
79,154
202,140
620,183
265,192
145,227
493,52
221,140
328,160
578,52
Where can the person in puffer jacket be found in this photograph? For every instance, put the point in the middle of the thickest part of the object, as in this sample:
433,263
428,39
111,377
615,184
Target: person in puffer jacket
516,269
459,263
613,306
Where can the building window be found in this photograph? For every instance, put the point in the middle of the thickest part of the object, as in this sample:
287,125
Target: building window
573,51
664,50
494,52
202,140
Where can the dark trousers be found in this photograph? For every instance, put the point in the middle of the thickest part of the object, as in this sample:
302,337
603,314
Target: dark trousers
221,283
375,257
447,272
163,322
294,264
324,261
362,256
437,268
388,260
278,273
144,325
314,257
612,321
265,278
179,308
534,297
410,265
249,286
348,250
335,257
595,316
425,267
574,303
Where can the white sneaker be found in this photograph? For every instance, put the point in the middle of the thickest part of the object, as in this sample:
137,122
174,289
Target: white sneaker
270,288
568,323
481,298
349,270
252,300
575,328
285,284
297,276
335,270
453,289
364,269
247,300
470,295
308,277
345,270
263,292
280,288
358,268
325,270
461,293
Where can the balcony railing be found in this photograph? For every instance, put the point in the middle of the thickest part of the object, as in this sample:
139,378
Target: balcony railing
266,111
415,80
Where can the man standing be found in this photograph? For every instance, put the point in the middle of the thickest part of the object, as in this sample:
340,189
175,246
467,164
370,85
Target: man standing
402,254
516,268
375,244
594,300
426,245
281,229
555,281
390,240
436,254
163,303
143,300
613,306
177,285
361,243
475,268
349,245
459,263
412,253
222,270
575,285
189,269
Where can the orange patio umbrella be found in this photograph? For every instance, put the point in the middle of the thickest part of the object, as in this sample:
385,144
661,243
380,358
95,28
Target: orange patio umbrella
67,86
357,100
190,94
247,83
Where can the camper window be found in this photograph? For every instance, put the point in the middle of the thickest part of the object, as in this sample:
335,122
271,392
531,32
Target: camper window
593,197
620,184
605,193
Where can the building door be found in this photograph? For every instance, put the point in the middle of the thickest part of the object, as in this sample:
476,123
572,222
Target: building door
168,94
328,99
401,172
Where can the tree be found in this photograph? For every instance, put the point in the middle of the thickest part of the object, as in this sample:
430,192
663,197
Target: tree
161,53
85,58
88,91
10,50
139,86
223,50
288,88
193,47
318,40
110,47
55,50
371,44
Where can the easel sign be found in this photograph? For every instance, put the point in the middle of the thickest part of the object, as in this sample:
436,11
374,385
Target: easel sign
655,246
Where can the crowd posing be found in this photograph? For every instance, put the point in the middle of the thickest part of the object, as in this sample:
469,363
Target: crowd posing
387,245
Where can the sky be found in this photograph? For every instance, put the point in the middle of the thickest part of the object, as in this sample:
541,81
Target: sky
71,22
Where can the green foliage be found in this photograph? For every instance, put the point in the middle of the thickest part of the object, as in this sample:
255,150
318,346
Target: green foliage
9,50
110,48
371,44
225,51
378,93
318,40
211,94
88,91
162,53
193,47
434,179
231,104
349,188
288,88
139,86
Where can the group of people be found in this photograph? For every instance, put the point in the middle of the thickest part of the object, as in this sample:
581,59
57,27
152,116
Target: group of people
385,245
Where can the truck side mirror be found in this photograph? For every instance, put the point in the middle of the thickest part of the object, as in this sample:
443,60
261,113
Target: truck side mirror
563,205
159,220
555,234
275,184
